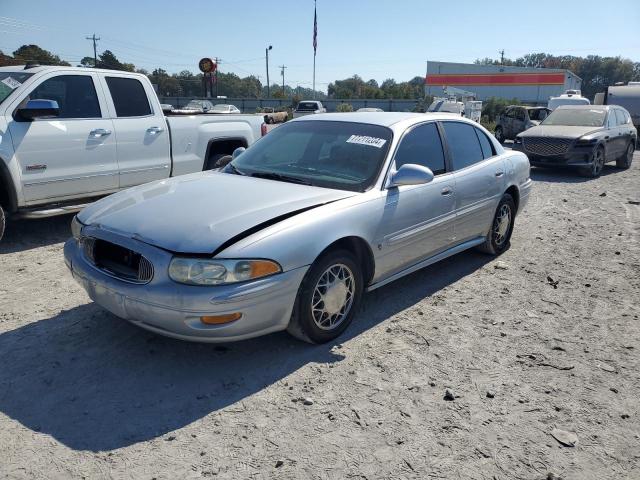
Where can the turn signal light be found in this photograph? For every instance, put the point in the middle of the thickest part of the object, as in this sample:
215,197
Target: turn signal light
220,319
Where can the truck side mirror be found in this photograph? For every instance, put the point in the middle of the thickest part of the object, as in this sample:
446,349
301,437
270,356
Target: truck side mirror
38,109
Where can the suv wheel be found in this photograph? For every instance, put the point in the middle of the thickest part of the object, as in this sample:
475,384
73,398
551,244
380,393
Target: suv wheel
499,134
625,160
597,164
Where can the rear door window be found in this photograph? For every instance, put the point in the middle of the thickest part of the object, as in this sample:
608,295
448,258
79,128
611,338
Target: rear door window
75,94
129,97
422,146
485,144
463,144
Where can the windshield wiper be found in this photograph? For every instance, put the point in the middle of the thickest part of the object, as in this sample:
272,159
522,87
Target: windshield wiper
280,177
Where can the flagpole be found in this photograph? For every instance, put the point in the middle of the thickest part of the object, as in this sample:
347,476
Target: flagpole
315,34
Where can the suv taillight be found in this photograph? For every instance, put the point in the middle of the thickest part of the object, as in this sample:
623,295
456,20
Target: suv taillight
263,129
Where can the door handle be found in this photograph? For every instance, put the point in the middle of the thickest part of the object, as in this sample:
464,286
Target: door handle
99,132
154,130
446,191
499,173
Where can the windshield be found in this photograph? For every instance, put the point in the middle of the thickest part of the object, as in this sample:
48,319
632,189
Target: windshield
538,114
9,81
576,117
341,155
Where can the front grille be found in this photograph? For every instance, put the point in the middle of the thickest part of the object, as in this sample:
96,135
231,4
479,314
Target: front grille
117,261
546,145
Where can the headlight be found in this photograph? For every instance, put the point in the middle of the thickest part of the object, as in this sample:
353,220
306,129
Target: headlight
197,271
518,140
587,141
76,228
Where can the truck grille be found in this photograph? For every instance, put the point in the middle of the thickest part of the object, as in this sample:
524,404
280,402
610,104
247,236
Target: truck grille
117,261
544,146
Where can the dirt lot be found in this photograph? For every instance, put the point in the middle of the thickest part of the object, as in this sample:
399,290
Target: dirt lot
550,331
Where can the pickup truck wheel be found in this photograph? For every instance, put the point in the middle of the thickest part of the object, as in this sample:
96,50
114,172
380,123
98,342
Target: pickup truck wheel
3,221
627,158
218,160
328,298
499,134
499,235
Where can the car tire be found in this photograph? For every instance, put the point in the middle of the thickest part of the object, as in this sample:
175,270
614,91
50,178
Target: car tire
499,236
625,160
499,134
597,164
3,222
313,313
218,160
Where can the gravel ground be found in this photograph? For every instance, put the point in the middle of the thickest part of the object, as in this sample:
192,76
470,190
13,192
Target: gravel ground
542,343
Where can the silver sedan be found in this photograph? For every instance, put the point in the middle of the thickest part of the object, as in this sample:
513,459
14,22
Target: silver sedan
293,231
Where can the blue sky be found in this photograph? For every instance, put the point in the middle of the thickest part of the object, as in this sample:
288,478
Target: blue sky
373,38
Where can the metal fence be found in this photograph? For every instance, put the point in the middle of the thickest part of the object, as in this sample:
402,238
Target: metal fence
250,105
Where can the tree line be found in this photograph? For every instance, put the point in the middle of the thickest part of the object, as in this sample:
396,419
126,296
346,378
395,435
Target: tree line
596,72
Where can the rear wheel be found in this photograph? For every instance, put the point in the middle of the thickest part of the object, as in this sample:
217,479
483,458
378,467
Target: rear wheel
499,134
3,221
328,298
597,164
627,158
499,236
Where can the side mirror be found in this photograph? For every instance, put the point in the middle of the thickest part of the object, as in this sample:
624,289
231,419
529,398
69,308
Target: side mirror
411,174
39,109
237,152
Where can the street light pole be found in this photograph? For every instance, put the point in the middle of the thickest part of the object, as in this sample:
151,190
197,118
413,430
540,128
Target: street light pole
266,50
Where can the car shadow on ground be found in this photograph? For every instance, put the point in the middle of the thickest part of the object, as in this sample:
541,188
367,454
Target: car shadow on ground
567,175
25,234
95,382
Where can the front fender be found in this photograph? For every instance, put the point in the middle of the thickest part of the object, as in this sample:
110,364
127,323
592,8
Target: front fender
299,240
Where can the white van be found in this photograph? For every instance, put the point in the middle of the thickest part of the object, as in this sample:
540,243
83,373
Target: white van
570,97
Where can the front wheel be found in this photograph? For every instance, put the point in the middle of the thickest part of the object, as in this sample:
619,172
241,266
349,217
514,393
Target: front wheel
597,164
627,158
328,298
499,235
3,221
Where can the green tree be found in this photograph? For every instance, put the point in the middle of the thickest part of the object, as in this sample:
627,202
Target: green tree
33,53
107,59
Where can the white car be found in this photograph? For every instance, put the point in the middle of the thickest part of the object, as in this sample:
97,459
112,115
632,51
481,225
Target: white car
225,108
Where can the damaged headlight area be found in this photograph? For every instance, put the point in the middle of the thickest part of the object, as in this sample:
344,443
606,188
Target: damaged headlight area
76,228
199,271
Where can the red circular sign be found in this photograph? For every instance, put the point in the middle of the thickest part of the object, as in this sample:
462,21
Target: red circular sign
207,65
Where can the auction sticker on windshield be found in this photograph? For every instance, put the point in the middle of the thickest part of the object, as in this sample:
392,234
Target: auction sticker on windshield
365,140
11,82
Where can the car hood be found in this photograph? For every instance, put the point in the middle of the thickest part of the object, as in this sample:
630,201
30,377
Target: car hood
199,213
558,131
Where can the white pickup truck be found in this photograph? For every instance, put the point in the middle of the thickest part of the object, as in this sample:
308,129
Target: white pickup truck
70,135
308,107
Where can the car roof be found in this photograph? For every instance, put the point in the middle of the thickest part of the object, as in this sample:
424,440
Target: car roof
384,119
44,68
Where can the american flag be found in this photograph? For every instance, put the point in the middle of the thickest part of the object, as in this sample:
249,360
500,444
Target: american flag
315,30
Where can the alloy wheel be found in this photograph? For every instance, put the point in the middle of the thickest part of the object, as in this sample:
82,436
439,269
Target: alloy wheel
598,162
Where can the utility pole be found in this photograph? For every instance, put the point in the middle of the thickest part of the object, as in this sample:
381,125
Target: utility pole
266,50
282,67
218,62
95,52
501,52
